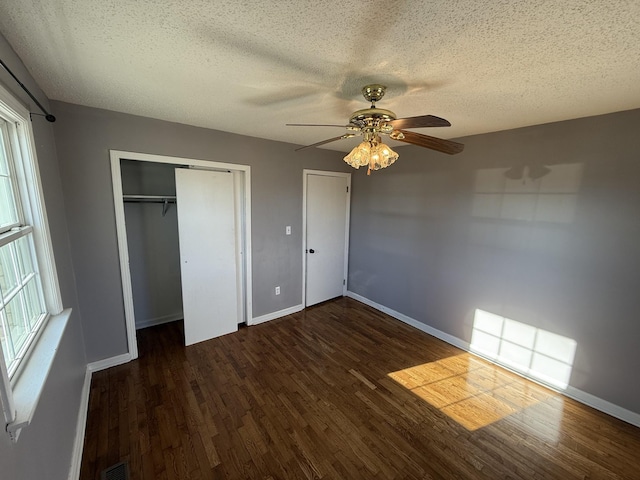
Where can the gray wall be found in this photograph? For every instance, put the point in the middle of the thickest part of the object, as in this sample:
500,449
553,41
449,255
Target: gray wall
84,137
436,237
44,447
152,239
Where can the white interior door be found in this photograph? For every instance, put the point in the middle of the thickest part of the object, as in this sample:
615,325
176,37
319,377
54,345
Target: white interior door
207,232
327,206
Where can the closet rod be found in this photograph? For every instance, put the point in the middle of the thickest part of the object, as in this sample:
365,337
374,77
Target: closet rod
164,199
149,198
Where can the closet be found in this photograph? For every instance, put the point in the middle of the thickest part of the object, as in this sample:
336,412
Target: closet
184,242
149,196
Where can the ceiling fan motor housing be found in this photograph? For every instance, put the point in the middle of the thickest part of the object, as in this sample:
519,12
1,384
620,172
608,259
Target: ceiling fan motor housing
373,118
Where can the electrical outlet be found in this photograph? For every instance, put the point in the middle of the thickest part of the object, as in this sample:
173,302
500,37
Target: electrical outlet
288,230
277,290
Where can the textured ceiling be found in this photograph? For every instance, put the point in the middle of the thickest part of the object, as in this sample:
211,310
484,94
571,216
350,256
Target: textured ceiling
249,67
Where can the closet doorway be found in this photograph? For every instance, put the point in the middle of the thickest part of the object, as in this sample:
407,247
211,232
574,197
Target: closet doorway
152,259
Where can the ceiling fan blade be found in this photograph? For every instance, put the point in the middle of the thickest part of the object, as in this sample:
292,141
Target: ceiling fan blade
421,121
438,144
346,135
314,125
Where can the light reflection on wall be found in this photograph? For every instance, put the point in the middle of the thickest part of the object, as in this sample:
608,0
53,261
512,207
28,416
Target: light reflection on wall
540,354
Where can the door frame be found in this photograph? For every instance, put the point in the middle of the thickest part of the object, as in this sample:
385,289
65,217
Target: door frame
242,215
305,175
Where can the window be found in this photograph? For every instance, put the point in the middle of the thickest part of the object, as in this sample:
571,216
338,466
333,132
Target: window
22,309
29,292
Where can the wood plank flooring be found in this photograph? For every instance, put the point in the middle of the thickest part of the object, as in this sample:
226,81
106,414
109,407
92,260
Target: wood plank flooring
339,391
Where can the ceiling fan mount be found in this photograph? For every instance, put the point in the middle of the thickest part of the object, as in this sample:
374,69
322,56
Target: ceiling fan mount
373,93
373,122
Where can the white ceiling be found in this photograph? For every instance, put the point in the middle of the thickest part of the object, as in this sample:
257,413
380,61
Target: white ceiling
249,67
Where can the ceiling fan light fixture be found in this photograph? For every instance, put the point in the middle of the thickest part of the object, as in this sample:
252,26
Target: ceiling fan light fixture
359,156
382,156
372,153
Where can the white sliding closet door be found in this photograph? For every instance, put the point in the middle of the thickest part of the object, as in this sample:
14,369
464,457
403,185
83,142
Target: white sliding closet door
206,227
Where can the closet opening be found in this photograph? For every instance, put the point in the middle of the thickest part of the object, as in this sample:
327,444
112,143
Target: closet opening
185,262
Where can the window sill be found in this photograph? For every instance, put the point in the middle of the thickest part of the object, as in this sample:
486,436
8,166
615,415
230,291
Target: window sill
30,384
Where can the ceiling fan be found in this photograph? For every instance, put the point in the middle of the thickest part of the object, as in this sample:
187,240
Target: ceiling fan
373,122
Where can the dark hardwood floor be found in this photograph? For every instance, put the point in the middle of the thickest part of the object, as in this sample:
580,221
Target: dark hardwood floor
339,391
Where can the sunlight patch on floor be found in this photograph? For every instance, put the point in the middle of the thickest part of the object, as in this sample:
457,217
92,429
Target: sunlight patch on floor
469,390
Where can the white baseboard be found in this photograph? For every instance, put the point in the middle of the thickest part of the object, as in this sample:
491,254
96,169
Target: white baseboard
109,362
455,341
78,444
278,314
602,405
571,392
159,320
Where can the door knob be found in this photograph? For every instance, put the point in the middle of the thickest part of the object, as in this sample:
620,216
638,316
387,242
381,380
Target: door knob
311,250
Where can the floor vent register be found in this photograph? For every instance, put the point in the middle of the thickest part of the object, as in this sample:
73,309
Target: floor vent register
119,471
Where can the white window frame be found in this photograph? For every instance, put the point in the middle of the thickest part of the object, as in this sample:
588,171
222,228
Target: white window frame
20,393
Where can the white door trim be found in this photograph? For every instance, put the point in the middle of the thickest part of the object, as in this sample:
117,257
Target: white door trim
123,248
305,174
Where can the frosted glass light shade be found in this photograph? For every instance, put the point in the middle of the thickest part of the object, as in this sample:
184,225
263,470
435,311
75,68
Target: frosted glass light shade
373,154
